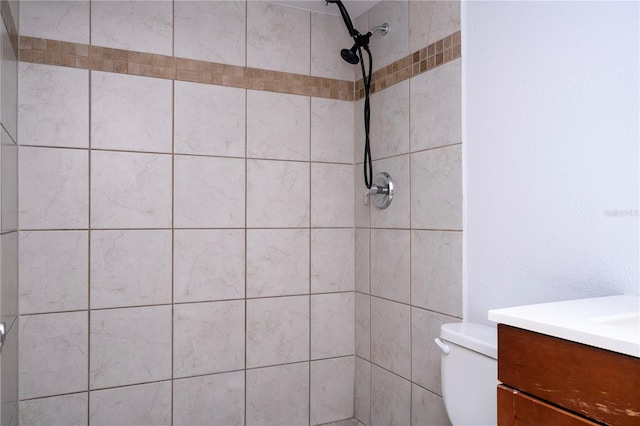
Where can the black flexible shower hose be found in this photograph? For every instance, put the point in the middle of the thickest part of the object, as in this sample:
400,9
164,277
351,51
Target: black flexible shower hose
366,80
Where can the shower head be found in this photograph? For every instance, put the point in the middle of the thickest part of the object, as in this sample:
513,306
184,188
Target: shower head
350,55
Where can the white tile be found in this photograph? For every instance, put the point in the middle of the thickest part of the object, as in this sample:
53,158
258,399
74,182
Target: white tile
53,271
278,38
9,83
208,338
9,293
389,122
394,45
56,20
8,183
362,212
427,408
209,120
391,336
216,400
436,107
363,391
363,325
425,355
332,395
53,105
390,264
436,189
53,354
277,330
208,265
10,374
144,26
332,130
278,126
430,21
436,271
130,112
211,31
362,263
68,410
130,190
398,214
277,194
332,260
331,195
332,325
328,37
277,262
130,268
130,346
359,131
148,404
53,188
209,192
390,398
278,395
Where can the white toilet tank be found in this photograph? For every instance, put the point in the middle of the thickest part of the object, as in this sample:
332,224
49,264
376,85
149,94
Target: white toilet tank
469,373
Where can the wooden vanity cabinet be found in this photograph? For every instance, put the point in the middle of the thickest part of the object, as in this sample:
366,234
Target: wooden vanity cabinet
551,381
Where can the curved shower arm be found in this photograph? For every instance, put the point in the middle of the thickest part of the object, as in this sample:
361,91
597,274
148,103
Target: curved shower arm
345,16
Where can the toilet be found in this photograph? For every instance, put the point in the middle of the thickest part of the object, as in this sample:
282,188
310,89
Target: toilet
469,373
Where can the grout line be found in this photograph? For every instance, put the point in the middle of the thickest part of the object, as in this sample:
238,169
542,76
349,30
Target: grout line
89,231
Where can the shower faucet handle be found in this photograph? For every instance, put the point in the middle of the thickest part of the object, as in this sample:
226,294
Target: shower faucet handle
381,190
375,189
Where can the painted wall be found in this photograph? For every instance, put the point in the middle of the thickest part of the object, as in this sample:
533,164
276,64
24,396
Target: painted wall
551,152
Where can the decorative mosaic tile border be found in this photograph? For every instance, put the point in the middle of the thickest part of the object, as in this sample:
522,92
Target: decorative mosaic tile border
83,56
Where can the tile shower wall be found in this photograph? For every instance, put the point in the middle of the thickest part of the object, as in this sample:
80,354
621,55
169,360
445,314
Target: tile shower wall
409,256
187,250
9,213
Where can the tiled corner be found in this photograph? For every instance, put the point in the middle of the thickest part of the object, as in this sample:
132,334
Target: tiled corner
390,121
130,268
53,105
362,212
390,264
53,188
363,391
143,26
208,265
362,256
427,408
436,107
209,192
9,293
277,330
390,398
363,325
277,262
332,396
130,190
8,183
132,405
208,338
209,120
130,113
425,355
277,126
278,38
391,336
215,399
332,260
10,374
66,409
332,130
278,395
197,23
9,82
277,194
430,21
331,195
332,325
53,354
328,37
59,20
436,188
53,271
129,346
436,271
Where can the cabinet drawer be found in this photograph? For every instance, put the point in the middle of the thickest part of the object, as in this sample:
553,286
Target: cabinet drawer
599,384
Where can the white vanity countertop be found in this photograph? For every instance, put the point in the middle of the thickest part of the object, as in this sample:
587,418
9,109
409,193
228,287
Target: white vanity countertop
611,323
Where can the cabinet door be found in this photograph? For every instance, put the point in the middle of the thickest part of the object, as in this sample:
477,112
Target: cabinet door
517,409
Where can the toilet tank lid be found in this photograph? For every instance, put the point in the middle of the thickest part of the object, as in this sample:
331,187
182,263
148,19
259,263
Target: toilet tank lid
477,337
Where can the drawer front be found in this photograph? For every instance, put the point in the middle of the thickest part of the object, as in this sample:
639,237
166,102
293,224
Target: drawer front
517,409
599,384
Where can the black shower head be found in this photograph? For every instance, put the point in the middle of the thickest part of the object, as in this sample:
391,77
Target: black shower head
350,55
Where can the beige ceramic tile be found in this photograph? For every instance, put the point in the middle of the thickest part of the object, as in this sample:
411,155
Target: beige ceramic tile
142,404
391,336
332,325
390,398
332,396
